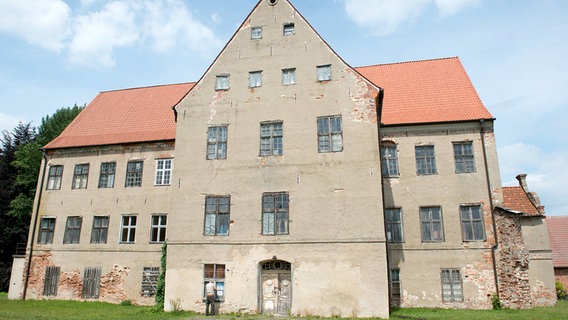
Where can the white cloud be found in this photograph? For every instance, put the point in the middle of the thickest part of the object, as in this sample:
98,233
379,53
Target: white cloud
44,23
385,16
8,122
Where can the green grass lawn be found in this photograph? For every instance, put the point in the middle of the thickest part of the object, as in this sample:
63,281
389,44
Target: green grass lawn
62,310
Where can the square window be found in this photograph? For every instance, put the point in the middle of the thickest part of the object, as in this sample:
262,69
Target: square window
289,29
275,213
217,215
46,230
158,228
72,230
330,134
463,157
128,229
324,72
256,33
163,172
289,76
255,79
432,229
425,160
222,82
100,229
80,176
106,178
451,285
54,177
217,142
134,173
271,139
472,223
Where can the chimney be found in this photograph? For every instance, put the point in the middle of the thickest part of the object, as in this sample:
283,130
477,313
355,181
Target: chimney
523,181
532,195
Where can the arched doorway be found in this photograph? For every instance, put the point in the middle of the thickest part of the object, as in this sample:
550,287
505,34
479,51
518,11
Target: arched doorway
276,287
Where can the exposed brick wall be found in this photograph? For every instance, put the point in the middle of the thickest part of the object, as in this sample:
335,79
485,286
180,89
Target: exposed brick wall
112,285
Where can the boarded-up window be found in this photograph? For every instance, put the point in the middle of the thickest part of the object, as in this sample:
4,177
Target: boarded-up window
150,281
51,280
91,283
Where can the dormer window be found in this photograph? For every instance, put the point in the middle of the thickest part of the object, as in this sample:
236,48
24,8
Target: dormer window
289,29
256,33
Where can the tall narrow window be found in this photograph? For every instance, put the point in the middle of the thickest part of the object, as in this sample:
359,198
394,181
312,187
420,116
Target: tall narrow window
395,287
256,33
217,214
255,79
330,134
215,273
431,224
91,283
289,76
463,156
150,277
389,158
393,221
451,285
472,223
222,82
72,230
275,213
134,173
217,142
80,176
271,139
289,29
158,228
46,230
54,177
425,160
163,172
324,72
100,229
106,178
51,281
128,229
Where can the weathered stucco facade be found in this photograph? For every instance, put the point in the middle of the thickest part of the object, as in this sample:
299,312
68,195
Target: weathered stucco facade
300,185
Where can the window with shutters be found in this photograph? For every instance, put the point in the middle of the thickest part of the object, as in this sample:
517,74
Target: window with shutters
150,277
106,178
99,232
54,177
451,285
80,176
91,283
51,280
275,213
72,230
46,230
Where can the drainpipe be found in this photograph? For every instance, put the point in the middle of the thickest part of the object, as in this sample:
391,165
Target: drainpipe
35,215
495,236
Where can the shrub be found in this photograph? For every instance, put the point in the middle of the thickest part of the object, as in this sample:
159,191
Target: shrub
560,291
497,304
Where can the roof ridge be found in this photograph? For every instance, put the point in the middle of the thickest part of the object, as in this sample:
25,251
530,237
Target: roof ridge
148,87
405,62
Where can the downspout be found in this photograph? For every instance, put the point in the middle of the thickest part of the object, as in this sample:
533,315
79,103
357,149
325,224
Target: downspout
379,114
495,235
35,215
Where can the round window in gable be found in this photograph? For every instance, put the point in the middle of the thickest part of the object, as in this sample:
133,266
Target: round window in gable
272,2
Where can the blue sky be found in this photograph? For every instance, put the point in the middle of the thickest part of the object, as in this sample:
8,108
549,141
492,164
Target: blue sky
56,53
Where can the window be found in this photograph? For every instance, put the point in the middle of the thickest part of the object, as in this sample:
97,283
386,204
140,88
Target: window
330,134
106,179
217,143
91,283
100,229
72,230
255,79
451,285
463,156
275,213
256,33
134,173
288,29
217,214
51,280
431,222
128,229
271,143
163,172
425,160
472,223
80,176
46,229
395,287
289,76
222,82
158,228
215,273
54,177
150,277
389,158
393,220
324,72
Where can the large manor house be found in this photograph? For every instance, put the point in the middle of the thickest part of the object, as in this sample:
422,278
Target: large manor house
297,183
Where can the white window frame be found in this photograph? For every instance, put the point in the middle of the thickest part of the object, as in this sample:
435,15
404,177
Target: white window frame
158,228
128,228
164,169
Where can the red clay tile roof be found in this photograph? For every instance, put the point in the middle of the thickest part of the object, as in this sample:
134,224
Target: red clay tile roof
125,116
426,91
558,238
415,92
516,199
